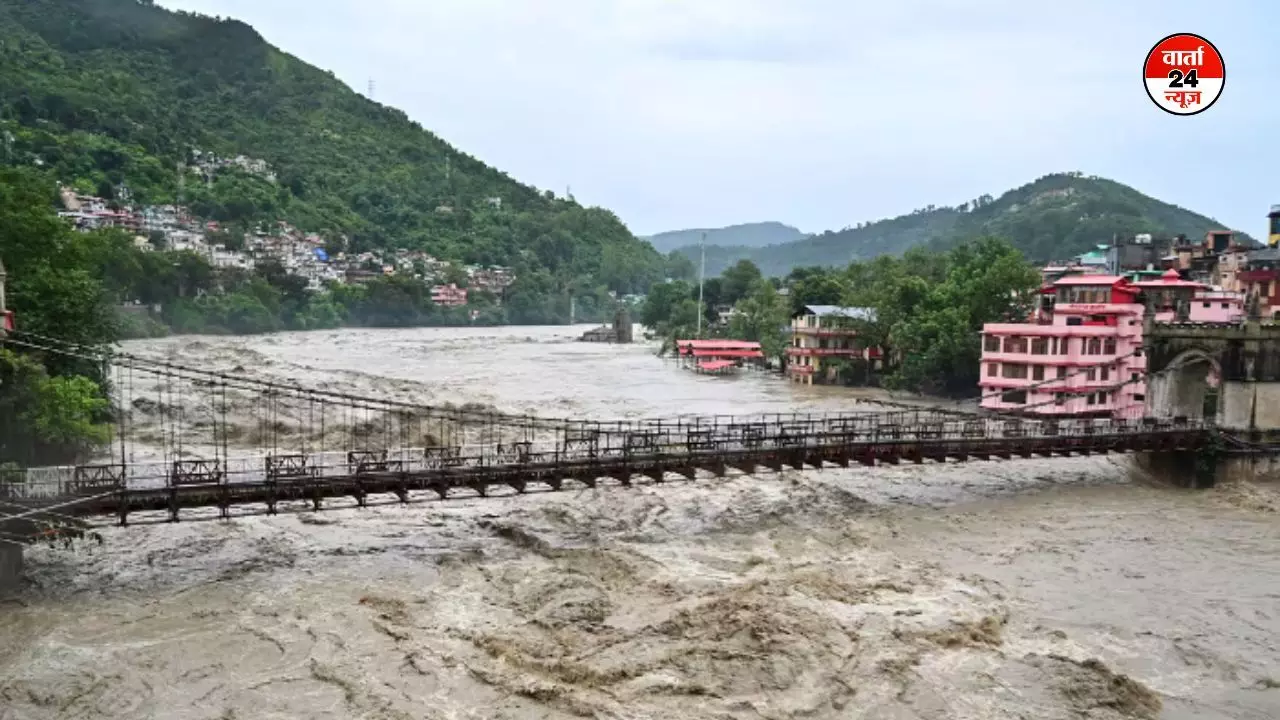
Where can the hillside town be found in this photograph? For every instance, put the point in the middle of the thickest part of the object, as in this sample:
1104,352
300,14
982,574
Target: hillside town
1081,351
174,228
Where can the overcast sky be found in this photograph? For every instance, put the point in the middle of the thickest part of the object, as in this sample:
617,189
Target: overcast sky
817,113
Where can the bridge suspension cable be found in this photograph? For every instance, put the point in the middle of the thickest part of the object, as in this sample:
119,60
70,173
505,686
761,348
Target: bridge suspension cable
246,383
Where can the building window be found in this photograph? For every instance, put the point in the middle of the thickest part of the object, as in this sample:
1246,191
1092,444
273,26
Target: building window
1014,371
1208,304
1090,399
1014,397
1225,306
1091,374
1015,345
992,369
1094,347
1109,347
1062,373
991,343
1060,399
1040,346
1037,372
1139,397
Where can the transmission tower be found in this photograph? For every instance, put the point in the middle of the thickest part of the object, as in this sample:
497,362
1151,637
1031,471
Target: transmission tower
372,86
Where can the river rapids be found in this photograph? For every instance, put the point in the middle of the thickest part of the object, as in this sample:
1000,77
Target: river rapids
1039,589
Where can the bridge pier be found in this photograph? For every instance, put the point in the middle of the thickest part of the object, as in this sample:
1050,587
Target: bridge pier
10,565
1201,470
11,548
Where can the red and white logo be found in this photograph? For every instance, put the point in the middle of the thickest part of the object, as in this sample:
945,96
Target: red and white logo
1184,74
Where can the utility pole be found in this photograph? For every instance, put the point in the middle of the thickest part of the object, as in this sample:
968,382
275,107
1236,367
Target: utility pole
702,276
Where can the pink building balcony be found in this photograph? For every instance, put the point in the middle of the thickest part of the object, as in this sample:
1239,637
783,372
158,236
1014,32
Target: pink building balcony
824,331
825,352
1063,369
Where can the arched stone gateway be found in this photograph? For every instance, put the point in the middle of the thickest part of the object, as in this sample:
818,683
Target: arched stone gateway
1189,386
1226,372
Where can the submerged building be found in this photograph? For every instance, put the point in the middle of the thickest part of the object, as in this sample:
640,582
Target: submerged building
822,335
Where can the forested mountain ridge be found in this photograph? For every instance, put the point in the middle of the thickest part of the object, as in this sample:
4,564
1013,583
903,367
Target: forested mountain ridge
104,93
752,235
1052,218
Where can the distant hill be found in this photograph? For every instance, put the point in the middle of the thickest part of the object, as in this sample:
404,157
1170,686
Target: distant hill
1053,218
748,235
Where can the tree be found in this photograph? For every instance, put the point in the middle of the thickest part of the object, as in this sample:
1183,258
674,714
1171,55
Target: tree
760,317
47,420
824,288
930,310
680,267
738,280
661,303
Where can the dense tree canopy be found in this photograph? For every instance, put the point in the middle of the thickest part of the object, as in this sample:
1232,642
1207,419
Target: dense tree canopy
929,308
51,406
115,96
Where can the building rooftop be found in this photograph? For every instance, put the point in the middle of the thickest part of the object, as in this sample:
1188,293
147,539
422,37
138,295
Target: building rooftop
1264,255
1107,280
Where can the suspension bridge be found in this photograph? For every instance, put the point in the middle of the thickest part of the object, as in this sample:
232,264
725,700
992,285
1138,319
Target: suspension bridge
190,443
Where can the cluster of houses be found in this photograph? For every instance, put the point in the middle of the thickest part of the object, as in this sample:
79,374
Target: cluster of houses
1080,352
172,227
208,165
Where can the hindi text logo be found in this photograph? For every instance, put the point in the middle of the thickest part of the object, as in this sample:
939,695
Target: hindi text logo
1184,74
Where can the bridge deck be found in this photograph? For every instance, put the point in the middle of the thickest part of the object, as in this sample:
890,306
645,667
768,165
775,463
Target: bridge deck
584,457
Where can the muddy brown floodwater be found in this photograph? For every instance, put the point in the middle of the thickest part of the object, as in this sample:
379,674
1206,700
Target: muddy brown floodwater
1035,589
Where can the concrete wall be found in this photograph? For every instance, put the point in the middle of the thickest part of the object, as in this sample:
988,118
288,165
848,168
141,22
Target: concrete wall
1250,405
1199,470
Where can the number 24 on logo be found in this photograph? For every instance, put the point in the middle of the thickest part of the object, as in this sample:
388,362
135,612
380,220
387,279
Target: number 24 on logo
1177,79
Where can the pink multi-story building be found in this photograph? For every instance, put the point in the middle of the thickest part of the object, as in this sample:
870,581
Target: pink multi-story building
1081,353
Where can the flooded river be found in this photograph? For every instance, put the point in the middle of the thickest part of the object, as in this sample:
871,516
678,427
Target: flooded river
1035,589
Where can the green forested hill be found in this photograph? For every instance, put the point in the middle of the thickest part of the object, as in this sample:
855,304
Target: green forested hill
109,92
1053,218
